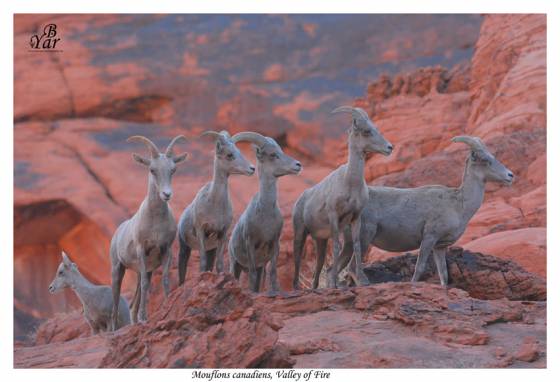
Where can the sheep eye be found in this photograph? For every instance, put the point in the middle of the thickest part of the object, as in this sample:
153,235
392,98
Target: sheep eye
60,273
173,170
274,156
230,156
153,171
367,133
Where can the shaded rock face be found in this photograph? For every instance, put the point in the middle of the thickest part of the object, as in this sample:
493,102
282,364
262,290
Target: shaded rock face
219,324
482,276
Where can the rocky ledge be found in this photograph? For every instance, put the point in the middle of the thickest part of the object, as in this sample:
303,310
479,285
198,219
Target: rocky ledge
390,324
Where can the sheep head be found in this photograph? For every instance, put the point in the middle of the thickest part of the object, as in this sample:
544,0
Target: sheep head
483,162
162,166
364,134
228,156
270,156
65,275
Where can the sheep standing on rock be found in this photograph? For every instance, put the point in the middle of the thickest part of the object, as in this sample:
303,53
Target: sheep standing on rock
205,222
143,242
431,217
326,209
255,238
97,300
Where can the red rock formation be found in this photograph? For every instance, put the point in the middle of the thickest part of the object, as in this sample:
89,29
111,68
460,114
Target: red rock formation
484,277
219,324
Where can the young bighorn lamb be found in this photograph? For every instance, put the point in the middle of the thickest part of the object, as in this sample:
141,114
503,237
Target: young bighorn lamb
143,242
255,238
205,222
431,217
326,209
97,300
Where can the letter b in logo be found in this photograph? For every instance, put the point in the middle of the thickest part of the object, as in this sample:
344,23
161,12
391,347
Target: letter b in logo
50,30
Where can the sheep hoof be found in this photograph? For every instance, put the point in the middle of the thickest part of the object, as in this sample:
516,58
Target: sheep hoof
273,293
362,280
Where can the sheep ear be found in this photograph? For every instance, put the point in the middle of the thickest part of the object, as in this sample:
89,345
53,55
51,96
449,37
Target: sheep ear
141,160
258,151
219,146
180,158
66,260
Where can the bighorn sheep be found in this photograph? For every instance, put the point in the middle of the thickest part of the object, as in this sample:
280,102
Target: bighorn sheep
326,209
431,217
143,242
255,238
205,222
97,300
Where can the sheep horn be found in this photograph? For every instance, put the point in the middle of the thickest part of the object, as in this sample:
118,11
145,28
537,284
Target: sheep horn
213,134
355,111
475,143
250,136
169,150
149,144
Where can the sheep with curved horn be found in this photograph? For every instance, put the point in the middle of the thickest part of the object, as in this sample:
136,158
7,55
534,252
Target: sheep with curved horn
255,238
143,242
205,222
325,210
430,217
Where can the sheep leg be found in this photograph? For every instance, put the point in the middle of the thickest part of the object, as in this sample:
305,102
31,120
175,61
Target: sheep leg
361,278
93,327
349,247
236,269
144,287
201,250
263,280
441,264
347,250
117,275
253,284
426,248
184,255
165,272
210,259
300,235
258,279
321,249
135,301
220,254
273,265
335,235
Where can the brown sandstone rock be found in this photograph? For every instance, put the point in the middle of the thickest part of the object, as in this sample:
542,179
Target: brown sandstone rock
217,324
482,276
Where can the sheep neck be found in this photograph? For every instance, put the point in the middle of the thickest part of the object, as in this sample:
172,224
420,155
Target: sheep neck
81,286
472,191
219,186
354,175
267,190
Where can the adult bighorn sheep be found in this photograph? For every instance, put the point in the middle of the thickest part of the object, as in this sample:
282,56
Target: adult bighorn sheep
143,242
255,238
430,217
205,222
97,300
326,209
